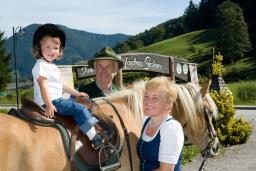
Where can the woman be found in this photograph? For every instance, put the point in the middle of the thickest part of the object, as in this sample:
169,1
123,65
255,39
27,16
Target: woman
162,138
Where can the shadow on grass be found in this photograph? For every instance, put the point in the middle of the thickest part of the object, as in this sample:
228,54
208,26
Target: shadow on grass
238,73
204,37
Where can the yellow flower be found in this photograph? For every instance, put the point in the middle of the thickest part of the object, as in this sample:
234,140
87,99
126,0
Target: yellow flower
217,67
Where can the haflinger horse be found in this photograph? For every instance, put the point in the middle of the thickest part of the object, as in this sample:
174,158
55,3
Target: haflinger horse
27,146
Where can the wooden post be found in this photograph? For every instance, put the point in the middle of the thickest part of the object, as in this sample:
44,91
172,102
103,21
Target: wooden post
171,68
118,79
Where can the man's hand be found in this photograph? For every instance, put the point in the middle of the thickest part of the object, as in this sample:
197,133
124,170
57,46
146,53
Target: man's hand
81,94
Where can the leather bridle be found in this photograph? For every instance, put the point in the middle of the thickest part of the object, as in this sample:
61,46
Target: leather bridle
212,136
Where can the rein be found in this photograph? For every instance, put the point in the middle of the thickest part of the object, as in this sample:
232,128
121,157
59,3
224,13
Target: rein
124,129
211,142
202,164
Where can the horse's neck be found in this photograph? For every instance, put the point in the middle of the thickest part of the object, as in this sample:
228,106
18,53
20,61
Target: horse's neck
132,99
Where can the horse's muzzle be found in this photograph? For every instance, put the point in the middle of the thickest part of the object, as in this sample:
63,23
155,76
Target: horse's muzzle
211,150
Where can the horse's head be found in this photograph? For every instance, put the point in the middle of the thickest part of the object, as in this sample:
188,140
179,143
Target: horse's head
210,112
195,109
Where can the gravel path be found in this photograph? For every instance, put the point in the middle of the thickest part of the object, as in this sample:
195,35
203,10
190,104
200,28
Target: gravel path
235,158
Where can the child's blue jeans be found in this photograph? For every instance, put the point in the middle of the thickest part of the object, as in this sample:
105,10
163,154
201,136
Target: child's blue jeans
78,111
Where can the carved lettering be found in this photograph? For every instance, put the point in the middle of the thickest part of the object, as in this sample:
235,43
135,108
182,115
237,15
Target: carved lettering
148,63
133,63
86,71
152,63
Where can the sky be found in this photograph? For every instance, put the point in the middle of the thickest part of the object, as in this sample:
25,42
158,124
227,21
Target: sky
97,16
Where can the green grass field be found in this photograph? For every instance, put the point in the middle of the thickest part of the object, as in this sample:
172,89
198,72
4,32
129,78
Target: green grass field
234,89
180,46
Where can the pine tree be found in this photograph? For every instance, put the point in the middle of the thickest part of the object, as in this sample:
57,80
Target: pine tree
233,35
190,16
5,70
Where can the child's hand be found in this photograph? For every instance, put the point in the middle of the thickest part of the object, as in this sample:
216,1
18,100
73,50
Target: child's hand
49,111
81,94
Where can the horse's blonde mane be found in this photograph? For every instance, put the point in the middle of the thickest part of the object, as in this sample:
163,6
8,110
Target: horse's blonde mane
184,111
133,97
189,106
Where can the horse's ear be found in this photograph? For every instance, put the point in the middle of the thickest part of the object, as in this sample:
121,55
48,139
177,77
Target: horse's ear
205,89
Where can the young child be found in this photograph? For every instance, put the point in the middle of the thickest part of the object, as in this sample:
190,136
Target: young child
48,45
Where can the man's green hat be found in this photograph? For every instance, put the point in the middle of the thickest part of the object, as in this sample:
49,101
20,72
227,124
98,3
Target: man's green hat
106,54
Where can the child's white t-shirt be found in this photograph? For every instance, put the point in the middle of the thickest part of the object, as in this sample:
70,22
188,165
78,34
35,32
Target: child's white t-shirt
51,72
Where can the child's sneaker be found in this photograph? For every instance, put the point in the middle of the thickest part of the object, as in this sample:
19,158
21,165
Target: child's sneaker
97,142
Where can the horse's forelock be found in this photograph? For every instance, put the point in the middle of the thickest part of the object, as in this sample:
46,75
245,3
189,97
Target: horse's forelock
213,106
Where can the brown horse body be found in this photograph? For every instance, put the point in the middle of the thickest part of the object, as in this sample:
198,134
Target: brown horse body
28,147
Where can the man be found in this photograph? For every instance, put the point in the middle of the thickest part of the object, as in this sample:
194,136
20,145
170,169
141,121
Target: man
106,64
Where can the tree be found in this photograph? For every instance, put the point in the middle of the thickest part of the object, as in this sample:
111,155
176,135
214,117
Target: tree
233,34
250,18
5,70
190,16
157,34
174,28
136,44
122,48
153,35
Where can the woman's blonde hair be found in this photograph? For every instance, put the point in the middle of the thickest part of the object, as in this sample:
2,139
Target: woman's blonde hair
165,84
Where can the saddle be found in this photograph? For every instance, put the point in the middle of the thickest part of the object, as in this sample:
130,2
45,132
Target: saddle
91,157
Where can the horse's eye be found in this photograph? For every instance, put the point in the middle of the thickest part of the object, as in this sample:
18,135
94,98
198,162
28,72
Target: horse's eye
213,121
209,111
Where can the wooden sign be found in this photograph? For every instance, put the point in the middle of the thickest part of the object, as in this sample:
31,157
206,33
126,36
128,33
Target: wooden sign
167,65
146,62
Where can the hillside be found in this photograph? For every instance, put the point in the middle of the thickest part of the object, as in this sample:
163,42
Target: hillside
197,47
80,45
185,45
201,16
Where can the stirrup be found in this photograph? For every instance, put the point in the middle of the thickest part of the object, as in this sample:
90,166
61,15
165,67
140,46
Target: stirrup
110,167
97,142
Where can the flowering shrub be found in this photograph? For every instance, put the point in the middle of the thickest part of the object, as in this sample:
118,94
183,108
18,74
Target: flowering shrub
217,67
230,130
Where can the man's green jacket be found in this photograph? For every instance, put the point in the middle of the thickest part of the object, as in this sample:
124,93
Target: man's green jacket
93,90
